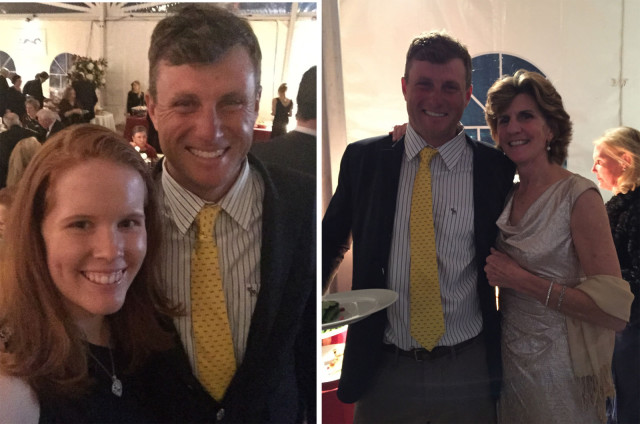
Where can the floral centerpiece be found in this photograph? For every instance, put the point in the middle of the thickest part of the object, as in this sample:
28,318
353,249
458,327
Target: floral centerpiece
92,70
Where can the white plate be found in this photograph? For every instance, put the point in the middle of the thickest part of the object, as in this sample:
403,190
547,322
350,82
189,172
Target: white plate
359,304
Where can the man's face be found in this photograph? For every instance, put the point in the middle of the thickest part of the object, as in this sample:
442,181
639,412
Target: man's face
44,122
436,98
205,115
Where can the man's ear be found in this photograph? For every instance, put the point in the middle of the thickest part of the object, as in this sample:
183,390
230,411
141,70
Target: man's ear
258,96
404,83
151,107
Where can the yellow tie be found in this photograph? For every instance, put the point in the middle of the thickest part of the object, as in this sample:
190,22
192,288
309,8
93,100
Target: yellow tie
214,345
427,322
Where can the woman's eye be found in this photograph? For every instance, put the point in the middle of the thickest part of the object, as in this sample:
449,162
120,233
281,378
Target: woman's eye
82,225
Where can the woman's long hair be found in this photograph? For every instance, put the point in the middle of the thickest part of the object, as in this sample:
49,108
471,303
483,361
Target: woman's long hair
42,343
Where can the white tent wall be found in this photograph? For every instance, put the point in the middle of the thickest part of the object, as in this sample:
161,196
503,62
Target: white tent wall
126,45
576,43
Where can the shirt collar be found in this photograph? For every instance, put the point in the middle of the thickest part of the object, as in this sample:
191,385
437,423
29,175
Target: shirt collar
450,152
185,205
305,130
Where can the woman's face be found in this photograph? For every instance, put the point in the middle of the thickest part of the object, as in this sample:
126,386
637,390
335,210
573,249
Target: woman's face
95,236
31,110
522,130
18,83
140,139
606,168
135,87
72,94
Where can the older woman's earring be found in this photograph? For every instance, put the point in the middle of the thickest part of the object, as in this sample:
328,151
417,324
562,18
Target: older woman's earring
548,146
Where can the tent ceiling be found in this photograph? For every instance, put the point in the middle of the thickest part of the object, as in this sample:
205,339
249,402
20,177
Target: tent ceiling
44,10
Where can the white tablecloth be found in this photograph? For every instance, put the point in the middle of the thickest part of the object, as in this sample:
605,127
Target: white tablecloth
105,119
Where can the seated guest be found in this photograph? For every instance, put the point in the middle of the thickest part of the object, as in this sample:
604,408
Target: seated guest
14,97
135,97
85,330
8,141
4,86
296,149
20,157
139,142
71,110
50,121
33,88
30,120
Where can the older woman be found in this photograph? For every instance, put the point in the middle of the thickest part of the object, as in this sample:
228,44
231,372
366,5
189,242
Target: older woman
30,119
616,162
561,292
83,335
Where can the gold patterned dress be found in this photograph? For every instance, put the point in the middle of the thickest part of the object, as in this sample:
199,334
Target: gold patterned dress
539,385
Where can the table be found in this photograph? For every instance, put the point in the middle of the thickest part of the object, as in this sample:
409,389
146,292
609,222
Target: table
105,119
133,121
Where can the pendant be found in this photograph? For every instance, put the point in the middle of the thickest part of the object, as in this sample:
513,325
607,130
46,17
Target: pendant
116,387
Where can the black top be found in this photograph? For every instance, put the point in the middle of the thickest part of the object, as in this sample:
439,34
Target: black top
134,100
164,390
281,118
33,88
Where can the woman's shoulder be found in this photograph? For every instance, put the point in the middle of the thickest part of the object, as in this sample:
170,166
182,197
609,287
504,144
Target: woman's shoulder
19,402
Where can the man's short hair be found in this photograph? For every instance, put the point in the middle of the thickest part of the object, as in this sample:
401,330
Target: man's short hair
137,129
48,114
11,119
306,98
43,75
35,103
200,34
438,47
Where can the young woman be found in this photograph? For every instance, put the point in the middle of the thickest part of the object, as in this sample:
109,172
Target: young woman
84,330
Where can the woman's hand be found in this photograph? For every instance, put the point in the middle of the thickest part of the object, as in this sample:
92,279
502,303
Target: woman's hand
502,271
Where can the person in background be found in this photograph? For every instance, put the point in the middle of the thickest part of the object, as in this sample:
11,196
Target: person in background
392,369
85,333
281,110
139,142
203,97
14,97
4,86
86,96
135,97
50,121
30,119
71,110
8,141
616,163
7,195
296,149
561,293
33,88
20,157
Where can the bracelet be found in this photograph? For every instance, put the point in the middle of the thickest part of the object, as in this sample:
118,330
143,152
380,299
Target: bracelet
546,302
561,296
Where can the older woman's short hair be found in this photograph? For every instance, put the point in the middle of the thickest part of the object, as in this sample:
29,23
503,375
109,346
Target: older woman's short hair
506,88
138,129
616,142
33,102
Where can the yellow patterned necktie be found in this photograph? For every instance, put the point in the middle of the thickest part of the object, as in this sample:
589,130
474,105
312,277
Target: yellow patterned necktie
427,321
214,345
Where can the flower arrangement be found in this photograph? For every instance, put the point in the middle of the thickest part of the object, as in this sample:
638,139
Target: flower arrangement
92,70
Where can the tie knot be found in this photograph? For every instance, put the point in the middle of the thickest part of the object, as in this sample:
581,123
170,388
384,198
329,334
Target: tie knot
426,154
206,219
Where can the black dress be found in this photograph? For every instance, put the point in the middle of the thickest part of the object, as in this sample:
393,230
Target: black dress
134,100
281,118
624,217
164,390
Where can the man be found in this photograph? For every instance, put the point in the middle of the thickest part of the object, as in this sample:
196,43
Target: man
8,141
48,120
203,100
389,374
33,88
86,96
30,119
297,148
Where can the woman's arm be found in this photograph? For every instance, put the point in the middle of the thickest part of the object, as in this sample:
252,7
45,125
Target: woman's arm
594,246
18,402
273,107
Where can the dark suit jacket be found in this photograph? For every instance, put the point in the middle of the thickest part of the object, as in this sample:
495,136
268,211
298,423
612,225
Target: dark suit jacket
294,149
33,88
8,141
86,96
363,209
57,126
14,101
276,382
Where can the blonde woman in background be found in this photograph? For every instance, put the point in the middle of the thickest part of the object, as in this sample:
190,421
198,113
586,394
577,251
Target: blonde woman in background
20,158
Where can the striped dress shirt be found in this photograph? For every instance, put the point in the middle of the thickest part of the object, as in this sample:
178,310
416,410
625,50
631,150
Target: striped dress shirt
452,192
238,234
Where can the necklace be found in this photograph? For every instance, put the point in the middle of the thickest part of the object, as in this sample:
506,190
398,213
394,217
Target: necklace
116,385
